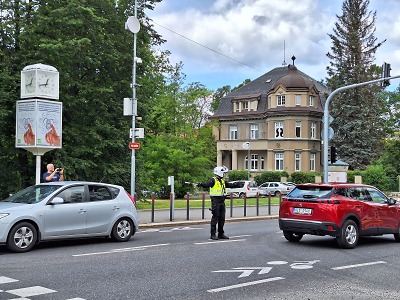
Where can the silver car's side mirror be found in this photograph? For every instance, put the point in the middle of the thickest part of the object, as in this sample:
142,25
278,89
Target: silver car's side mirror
57,200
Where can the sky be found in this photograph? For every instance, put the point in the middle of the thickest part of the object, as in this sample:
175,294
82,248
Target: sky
224,42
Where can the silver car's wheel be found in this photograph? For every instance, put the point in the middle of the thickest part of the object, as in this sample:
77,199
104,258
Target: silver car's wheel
22,237
122,230
348,235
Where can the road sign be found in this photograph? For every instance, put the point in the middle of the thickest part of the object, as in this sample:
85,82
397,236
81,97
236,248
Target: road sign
134,145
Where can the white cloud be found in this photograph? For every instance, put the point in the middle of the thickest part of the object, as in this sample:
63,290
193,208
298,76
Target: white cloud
253,32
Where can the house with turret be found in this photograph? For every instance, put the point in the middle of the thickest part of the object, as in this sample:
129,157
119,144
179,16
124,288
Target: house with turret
273,123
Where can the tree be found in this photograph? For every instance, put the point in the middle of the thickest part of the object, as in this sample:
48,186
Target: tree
358,113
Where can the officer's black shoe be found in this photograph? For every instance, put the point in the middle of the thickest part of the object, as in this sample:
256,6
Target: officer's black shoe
213,237
223,237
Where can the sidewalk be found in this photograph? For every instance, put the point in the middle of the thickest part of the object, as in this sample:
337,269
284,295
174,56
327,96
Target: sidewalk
180,217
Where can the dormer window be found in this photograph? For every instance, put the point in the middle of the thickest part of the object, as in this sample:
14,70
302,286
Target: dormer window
311,101
280,100
245,105
298,100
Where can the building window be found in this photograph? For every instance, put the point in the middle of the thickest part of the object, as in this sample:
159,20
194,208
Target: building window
311,101
313,130
279,129
297,161
262,163
278,161
233,132
245,105
237,106
298,99
312,162
298,129
280,100
254,162
254,131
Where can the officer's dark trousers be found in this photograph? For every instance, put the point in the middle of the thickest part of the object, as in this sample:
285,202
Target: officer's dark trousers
218,215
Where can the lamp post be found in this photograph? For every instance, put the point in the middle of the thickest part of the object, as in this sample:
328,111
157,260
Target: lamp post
133,26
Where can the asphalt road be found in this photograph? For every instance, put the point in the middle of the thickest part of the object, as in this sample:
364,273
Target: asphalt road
182,263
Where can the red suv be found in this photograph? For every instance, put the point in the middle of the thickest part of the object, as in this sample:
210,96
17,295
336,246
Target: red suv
342,210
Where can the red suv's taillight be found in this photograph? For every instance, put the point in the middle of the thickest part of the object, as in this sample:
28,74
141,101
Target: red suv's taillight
248,187
132,199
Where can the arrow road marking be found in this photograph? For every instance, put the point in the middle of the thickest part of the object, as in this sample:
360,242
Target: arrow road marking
246,271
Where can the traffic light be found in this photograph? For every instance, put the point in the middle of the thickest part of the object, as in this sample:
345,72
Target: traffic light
386,73
333,154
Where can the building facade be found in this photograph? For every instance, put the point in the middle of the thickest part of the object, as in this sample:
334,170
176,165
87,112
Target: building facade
273,123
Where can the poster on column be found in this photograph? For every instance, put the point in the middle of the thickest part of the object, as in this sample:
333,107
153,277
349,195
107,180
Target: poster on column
39,124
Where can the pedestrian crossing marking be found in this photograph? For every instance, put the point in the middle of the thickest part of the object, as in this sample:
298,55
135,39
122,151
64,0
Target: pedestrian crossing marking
4,279
31,291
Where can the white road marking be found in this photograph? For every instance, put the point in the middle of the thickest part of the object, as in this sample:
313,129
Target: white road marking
4,279
121,250
359,265
277,262
76,299
31,291
235,286
219,241
240,236
246,271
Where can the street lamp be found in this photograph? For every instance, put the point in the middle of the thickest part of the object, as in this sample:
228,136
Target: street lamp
133,25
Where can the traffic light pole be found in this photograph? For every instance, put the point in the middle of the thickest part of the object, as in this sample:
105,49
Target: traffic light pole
326,117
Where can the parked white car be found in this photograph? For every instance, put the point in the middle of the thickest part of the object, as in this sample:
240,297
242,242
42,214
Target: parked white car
246,187
276,188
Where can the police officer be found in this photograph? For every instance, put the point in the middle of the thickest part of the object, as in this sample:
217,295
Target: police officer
217,187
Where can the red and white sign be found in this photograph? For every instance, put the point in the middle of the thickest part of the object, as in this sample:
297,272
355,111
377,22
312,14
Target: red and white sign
134,145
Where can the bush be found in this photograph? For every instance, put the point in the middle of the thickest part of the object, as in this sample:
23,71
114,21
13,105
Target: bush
237,175
352,174
270,176
303,177
375,175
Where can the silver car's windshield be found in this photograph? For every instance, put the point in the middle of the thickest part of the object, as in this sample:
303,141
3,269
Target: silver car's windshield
32,194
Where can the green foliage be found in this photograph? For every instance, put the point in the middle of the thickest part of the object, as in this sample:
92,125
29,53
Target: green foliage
351,175
87,43
375,175
270,176
237,175
358,113
303,177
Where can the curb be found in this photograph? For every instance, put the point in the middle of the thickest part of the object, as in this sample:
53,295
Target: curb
196,222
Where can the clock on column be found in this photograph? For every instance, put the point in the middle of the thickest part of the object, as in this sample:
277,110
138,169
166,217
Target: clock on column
40,81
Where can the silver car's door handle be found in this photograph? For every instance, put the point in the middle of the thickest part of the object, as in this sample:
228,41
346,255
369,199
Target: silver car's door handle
82,211
115,208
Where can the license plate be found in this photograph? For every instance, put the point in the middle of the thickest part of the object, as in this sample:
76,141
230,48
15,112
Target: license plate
302,211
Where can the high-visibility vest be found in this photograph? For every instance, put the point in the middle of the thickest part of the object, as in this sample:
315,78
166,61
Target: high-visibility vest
218,189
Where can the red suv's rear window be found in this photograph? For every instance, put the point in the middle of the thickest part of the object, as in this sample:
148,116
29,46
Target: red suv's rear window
311,192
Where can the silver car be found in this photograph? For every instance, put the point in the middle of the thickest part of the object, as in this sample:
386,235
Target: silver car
276,188
68,209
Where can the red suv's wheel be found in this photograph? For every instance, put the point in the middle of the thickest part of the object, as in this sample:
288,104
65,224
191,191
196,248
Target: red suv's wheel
292,237
397,235
349,235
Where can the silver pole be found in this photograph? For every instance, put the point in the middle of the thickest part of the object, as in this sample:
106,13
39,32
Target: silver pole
326,117
134,103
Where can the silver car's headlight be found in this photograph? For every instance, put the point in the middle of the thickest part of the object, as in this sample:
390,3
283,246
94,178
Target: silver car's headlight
3,215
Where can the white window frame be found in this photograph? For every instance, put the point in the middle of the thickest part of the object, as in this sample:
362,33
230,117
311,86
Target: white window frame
313,130
279,130
245,105
298,129
298,100
279,162
254,131
254,162
297,161
312,162
311,100
262,163
233,132
280,100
